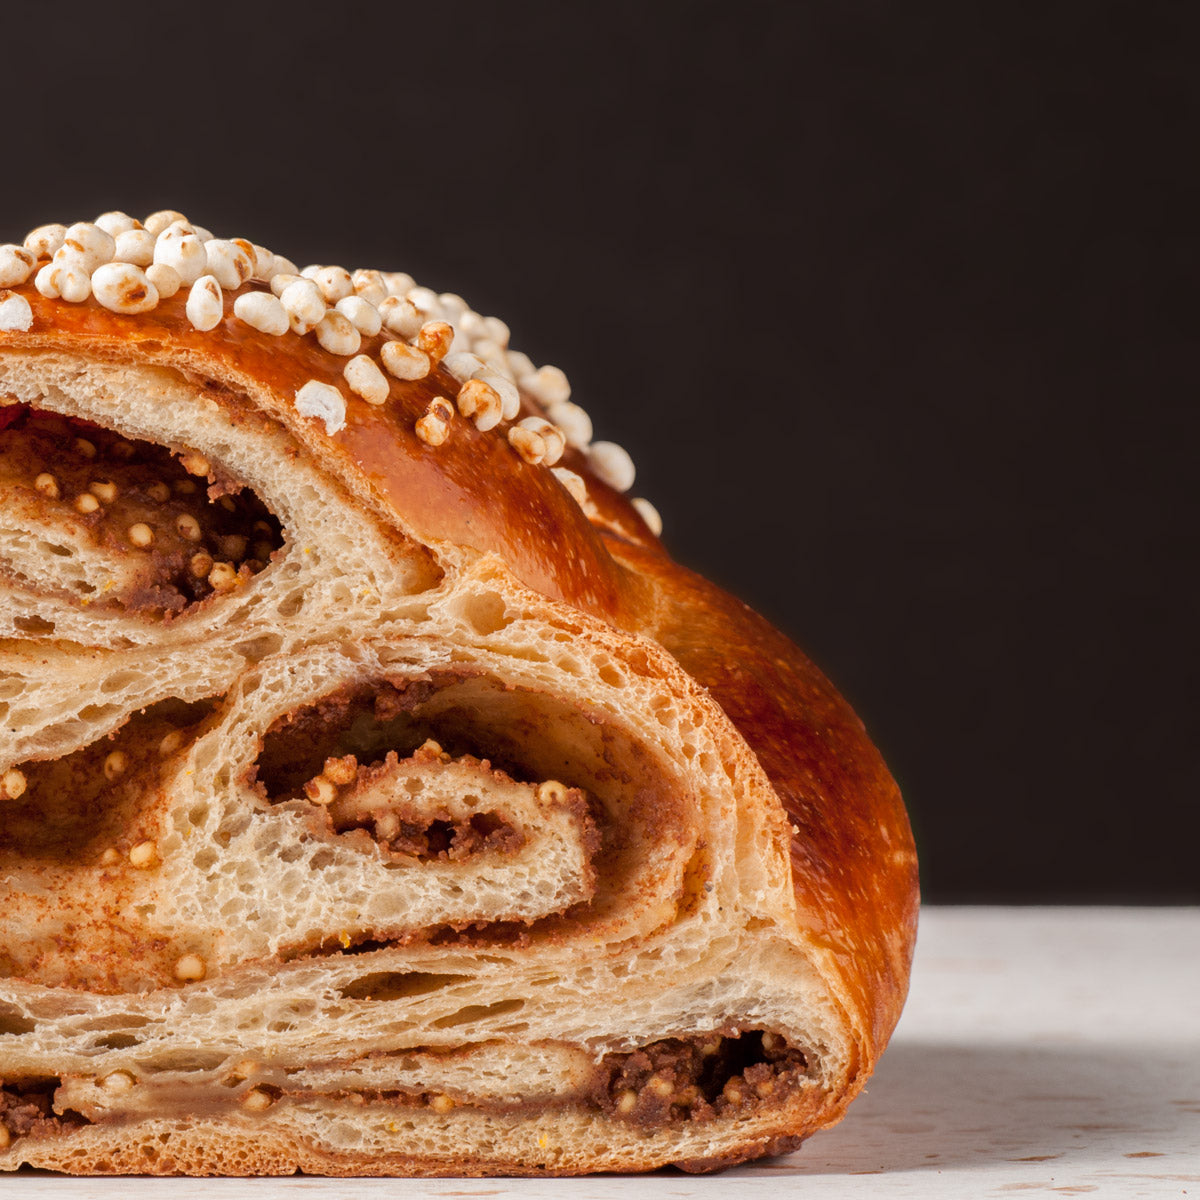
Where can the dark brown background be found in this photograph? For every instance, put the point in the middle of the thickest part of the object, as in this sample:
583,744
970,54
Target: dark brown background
886,300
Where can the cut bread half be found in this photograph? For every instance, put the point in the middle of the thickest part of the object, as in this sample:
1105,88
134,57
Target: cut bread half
376,795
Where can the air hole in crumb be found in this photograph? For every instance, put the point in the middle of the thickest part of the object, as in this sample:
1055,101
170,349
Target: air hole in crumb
117,1041
291,605
612,676
478,1012
257,648
485,613
398,985
34,625
193,1062
12,1022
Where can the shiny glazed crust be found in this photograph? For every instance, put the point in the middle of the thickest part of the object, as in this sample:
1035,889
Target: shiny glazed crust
788,772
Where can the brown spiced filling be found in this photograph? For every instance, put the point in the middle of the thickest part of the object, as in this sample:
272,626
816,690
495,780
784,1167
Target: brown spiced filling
625,810
667,1082
124,524
401,830
77,808
27,1110
363,782
365,721
697,1079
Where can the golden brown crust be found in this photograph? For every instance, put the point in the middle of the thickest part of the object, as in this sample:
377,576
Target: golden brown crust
854,865
474,490
211,1147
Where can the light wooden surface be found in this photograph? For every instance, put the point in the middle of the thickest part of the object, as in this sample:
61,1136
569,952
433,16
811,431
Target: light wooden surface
1043,1052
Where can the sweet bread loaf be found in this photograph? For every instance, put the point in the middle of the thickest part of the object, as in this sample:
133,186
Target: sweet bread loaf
376,794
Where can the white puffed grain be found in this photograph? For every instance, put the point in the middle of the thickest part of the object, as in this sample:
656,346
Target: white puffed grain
156,222
134,246
400,316
179,246
404,361
124,288
463,366
43,241
398,283
573,421
304,304
229,264
496,330
334,282
494,355
435,338
362,314
572,482
365,379
470,325
551,436
336,333
324,401
510,398
370,285
282,280
528,444
205,303
262,311
453,306
612,464
116,222
431,430
16,265
165,279
15,314
426,300
520,365
649,514
481,403
262,261
85,247
547,384
342,307
58,281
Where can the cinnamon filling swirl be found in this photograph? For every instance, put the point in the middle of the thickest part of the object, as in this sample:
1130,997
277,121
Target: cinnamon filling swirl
113,524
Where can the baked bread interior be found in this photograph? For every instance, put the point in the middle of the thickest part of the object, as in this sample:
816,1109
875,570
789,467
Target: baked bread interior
376,794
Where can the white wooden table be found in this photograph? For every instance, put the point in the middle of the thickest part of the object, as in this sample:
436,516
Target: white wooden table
1043,1052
